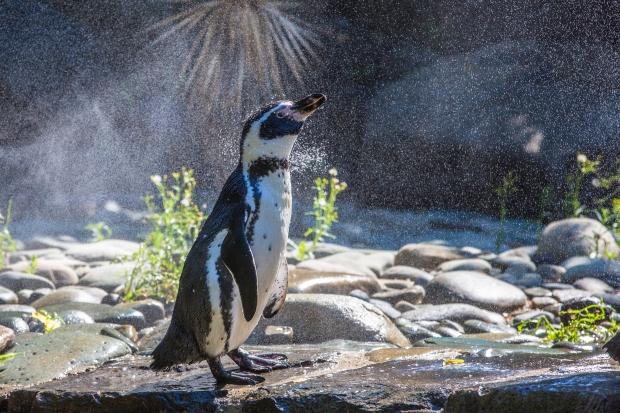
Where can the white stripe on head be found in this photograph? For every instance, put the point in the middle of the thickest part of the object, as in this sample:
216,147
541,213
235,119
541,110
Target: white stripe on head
254,147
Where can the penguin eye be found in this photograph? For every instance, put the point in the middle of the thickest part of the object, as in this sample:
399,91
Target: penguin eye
279,115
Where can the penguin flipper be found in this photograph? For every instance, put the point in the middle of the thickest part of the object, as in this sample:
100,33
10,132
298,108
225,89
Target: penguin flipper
237,256
278,291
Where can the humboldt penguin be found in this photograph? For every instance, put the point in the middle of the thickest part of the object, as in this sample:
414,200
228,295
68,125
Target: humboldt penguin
236,270
613,347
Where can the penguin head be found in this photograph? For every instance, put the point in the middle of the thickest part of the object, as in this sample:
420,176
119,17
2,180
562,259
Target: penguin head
272,130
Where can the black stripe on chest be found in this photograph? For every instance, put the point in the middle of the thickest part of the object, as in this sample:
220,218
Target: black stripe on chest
258,169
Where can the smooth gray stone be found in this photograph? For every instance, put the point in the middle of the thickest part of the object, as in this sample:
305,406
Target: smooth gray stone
59,274
537,292
557,286
102,313
426,256
565,295
525,252
455,312
14,321
470,264
403,272
107,250
414,331
386,307
542,302
469,287
316,318
325,249
477,327
530,280
594,285
575,237
550,272
15,281
476,345
66,295
514,264
44,357
153,310
25,309
612,300
107,277
413,295
359,294
531,316
7,296
584,267
445,331
75,317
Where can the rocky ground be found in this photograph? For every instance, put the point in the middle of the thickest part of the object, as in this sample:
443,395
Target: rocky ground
366,329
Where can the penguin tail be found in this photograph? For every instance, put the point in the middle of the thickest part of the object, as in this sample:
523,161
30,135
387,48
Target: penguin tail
613,347
177,347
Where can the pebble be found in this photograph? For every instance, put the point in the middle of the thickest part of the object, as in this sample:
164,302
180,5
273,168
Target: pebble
153,310
75,317
325,249
7,335
112,299
612,300
580,303
593,285
102,313
557,286
386,307
550,272
107,250
403,272
530,280
531,316
7,296
108,277
413,331
445,331
26,255
313,282
359,294
573,237
353,260
454,312
59,274
477,326
15,281
387,284
14,321
426,256
565,295
537,292
525,252
543,302
378,262
413,295
403,306
38,293
470,287
471,264
321,266
514,264
584,267
65,295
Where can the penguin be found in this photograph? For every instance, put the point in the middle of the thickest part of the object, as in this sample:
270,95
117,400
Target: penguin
236,269
613,347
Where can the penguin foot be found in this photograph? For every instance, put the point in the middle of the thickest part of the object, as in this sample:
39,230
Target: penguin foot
260,363
232,377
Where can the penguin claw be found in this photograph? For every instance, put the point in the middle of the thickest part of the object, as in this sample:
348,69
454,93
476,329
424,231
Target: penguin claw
260,363
239,377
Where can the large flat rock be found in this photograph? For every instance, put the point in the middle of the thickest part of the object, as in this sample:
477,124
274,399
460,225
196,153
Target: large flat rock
331,380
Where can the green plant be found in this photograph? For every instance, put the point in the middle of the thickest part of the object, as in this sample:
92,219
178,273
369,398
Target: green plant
34,263
99,231
504,191
7,244
7,356
324,212
50,322
175,222
585,166
546,199
583,326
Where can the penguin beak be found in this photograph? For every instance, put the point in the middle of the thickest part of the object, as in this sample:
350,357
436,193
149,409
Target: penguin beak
309,104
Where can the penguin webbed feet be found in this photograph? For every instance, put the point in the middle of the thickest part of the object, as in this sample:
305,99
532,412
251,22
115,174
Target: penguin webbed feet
259,363
232,377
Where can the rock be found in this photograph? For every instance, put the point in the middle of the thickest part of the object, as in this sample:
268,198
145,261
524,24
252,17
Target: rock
513,264
395,284
403,272
355,261
579,303
612,300
38,293
15,321
322,266
112,299
557,286
316,318
386,308
593,285
414,332
7,335
474,288
107,277
471,252
413,295
584,267
25,309
75,317
111,332
15,281
523,252
470,264
537,292
448,332
306,282
565,295
153,310
543,302
101,313
359,294
454,312
532,316
128,331
404,306
477,326
508,278
46,357
23,296
65,295
477,345
378,262
573,237
59,274
7,296
530,280
106,250
426,256
550,273
26,255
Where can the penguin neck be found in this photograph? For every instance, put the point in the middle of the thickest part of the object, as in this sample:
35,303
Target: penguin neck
261,156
